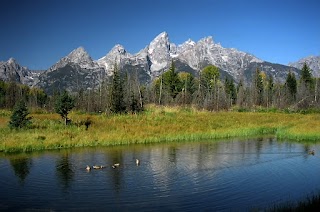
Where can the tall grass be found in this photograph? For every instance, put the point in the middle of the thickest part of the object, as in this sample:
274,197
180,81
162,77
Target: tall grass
156,124
309,204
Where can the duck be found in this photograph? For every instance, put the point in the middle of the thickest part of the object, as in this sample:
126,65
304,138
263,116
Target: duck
311,152
88,168
98,167
137,162
115,165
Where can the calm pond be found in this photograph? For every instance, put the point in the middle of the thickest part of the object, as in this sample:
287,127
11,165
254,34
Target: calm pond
229,175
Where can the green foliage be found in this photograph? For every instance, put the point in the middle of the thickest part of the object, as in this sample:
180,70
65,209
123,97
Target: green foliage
186,82
209,76
291,84
2,93
171,81
64,103
258,87
230,89
306,75
19,118
117,94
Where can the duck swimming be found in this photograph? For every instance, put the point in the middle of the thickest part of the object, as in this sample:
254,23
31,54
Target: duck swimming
311,152
88,168
98,167
137,162
115,165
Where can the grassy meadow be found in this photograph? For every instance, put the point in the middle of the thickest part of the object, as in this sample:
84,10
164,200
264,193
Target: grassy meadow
155,124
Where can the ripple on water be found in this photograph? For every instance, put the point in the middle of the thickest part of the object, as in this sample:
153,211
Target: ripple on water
192,176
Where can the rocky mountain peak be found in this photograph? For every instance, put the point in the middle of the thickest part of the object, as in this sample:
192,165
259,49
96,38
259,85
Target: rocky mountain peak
116,55
159,52
313,63
12,60
78,56
207,40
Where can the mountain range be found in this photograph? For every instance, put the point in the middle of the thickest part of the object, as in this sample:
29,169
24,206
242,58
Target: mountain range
78,70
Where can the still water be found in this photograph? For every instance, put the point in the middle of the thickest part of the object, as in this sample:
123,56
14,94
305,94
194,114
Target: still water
235,175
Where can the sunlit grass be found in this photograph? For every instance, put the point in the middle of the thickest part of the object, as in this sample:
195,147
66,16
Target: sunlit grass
156,124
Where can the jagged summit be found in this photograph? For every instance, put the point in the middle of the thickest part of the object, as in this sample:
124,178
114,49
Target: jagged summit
12,60
115,55
312,61
12,70
78,70
78,56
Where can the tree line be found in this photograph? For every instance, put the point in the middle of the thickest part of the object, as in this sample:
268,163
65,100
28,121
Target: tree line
123,93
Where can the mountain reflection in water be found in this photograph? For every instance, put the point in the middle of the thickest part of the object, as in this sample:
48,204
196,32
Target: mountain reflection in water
186,176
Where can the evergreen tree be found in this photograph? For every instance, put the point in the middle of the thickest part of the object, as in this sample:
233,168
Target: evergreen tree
171,81
64,103
117,94
19,117
258,87
270,90
3,90
291,84
306,76
230,89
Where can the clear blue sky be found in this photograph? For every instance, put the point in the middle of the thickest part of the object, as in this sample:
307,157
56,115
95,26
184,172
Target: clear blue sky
37,33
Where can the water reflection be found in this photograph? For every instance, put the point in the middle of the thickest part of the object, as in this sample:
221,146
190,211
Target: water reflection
21,167
206,175
64,171
116,157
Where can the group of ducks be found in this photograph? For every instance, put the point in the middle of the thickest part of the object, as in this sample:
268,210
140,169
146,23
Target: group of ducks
88,168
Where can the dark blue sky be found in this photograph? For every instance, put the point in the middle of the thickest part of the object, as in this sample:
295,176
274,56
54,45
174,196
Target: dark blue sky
37,33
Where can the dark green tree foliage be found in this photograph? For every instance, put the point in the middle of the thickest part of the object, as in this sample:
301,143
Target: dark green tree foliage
306,76
42,98
258,87
3,88
19,118
230,89
64,103
117,94
270,90
291,84
171,81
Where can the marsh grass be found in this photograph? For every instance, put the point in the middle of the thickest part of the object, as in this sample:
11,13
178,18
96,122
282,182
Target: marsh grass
156,124
309,204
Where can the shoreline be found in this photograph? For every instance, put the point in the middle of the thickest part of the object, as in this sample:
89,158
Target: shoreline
155,125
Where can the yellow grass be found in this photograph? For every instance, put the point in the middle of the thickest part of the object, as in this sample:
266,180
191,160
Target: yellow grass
156,124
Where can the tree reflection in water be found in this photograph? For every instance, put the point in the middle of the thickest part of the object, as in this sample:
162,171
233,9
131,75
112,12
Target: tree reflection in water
21,167
116,156
65,174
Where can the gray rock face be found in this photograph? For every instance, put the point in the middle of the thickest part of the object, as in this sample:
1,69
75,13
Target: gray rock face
313,62
117,55
12,71
78,70
73,72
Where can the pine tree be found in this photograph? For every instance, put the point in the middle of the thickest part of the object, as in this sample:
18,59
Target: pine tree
63,105
291,84
171,81
117,94
270,90
258,87
230,89
19,118
306,76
